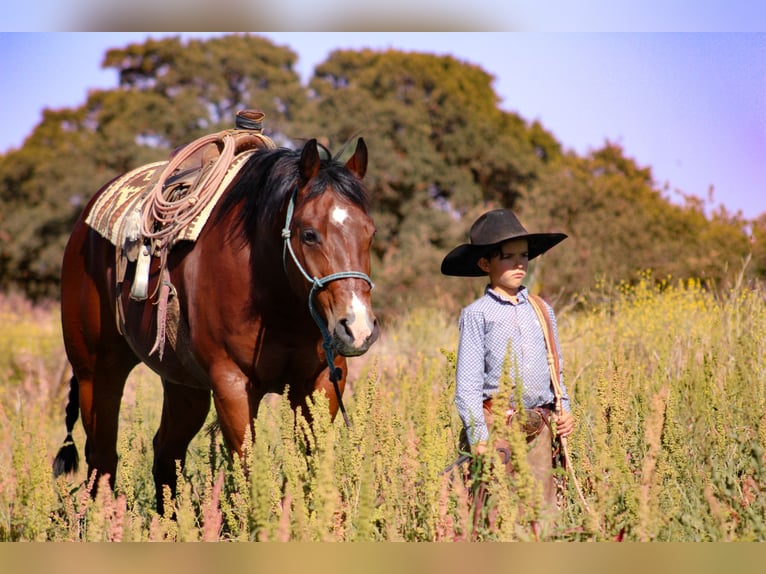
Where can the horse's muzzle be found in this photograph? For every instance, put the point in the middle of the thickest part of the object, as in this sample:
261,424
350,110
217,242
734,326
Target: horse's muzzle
354,335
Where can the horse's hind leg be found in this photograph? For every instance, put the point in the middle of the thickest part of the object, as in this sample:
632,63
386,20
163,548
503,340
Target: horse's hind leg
100,395
101,359
184,411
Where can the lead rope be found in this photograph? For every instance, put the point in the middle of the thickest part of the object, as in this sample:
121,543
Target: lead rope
318,284
553,365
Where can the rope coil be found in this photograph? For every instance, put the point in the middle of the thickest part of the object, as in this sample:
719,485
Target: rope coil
162,217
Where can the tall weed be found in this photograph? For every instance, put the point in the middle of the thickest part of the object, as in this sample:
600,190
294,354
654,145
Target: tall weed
668,388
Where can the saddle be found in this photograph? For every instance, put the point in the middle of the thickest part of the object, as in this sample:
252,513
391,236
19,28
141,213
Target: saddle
185,192
194,158
146,212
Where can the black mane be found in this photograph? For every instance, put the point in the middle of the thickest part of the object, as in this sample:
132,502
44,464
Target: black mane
264,185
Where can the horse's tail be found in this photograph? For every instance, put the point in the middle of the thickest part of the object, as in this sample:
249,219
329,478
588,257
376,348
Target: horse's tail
67,460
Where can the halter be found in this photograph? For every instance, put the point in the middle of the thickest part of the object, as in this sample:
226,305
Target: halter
317,284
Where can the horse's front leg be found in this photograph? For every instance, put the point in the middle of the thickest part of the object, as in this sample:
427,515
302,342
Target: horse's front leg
236,403
299,395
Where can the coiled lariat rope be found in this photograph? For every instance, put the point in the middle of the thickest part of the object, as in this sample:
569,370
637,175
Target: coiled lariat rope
553,365
317,284
163,216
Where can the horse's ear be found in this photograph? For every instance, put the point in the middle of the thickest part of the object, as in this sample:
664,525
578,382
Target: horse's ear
357,163
309,163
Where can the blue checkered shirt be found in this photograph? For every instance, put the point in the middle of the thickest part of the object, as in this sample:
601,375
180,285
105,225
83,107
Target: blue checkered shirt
488,326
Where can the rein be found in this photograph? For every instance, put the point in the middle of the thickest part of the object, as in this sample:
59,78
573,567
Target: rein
317,284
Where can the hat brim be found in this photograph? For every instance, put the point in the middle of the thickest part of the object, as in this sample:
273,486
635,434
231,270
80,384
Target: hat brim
463,260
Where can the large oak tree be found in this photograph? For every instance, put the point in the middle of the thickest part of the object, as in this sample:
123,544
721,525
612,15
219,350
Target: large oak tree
442,151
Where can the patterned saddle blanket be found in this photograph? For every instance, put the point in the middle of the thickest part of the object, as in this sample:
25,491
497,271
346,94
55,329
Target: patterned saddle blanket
116,214
132,211
173,199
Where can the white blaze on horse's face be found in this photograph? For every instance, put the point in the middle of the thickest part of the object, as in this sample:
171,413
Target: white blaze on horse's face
359,323
339,215
333,240
357,330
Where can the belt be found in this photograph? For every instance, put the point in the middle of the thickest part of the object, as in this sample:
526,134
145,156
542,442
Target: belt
549,406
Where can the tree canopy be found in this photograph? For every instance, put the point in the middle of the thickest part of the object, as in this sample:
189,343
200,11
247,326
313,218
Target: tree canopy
442,151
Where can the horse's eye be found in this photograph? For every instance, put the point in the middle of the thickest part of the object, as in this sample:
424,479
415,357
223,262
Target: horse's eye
310,237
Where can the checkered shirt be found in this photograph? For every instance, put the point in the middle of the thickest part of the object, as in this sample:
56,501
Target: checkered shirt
488,327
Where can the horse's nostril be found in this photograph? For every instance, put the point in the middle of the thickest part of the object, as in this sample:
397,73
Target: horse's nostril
346,328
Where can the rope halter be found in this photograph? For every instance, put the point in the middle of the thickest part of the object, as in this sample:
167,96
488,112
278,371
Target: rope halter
317,284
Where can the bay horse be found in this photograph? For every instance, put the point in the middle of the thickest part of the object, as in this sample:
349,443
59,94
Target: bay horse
273,293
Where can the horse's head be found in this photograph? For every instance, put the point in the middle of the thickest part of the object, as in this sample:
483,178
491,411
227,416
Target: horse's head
329,234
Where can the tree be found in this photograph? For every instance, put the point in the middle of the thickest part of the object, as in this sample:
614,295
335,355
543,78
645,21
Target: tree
620,225
169,93
441,153
440,147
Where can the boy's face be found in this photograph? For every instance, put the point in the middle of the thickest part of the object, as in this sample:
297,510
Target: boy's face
508,268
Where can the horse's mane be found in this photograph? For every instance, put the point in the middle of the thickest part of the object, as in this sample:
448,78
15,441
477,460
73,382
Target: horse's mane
266,181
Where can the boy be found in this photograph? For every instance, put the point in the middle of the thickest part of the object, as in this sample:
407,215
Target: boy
501,248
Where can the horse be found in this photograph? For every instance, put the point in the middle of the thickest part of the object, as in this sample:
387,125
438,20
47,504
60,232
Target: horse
274,294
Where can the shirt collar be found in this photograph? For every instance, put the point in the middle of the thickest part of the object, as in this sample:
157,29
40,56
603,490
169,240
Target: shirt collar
522,296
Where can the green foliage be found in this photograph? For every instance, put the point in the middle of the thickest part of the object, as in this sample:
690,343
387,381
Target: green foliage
198,86
618,223
442,152
169,94
668,389
440,147
667,378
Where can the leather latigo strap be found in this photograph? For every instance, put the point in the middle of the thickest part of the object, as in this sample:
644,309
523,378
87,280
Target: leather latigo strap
553,357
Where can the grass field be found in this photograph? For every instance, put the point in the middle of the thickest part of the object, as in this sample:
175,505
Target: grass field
667,380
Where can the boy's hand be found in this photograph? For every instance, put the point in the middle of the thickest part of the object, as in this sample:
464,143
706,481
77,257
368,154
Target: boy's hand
481,448
564,424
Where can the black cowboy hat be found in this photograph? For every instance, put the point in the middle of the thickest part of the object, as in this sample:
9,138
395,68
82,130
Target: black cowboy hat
492,229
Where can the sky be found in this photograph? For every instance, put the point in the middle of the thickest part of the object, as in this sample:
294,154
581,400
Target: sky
689,106
405,15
